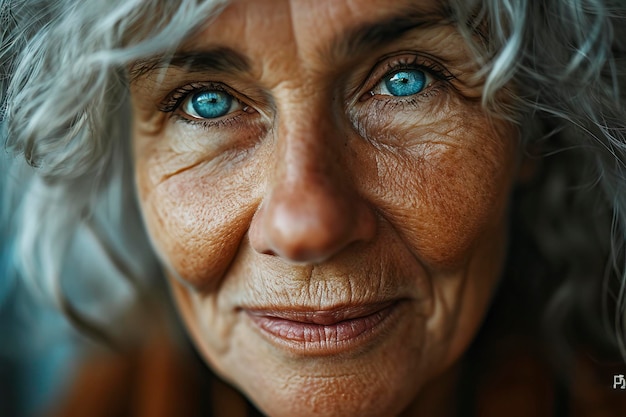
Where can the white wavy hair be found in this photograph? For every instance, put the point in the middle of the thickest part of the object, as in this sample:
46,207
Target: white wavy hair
68,194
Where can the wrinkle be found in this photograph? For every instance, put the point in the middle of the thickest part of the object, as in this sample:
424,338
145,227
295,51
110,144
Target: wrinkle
431,174
169,175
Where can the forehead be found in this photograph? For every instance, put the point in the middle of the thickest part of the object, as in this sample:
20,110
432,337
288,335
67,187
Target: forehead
313,27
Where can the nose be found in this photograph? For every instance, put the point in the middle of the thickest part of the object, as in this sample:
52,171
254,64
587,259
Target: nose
312,210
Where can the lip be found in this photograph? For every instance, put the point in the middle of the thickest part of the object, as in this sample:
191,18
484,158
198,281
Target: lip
324,332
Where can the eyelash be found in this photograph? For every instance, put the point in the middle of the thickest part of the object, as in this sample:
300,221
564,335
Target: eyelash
409,61
176,98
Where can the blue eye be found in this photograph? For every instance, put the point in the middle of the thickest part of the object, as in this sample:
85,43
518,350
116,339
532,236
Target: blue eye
404,82
210,104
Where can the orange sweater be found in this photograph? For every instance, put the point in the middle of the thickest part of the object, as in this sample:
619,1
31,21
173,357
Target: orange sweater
160,381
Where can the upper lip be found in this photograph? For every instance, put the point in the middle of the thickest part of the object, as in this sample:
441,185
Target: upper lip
325,316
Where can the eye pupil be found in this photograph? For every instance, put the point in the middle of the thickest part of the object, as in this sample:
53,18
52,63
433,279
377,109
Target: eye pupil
405,82
211,104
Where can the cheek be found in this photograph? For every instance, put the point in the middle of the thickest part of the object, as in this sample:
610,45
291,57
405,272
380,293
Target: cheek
443,184
198,216
189,229
465,198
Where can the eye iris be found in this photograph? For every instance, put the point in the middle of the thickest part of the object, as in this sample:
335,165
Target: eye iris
211,104
405,82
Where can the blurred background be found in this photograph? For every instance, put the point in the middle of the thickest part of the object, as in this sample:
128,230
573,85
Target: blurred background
37,345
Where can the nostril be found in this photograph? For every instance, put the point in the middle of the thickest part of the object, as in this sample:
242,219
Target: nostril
309,227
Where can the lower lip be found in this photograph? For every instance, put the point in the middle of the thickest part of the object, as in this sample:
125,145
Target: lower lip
318,339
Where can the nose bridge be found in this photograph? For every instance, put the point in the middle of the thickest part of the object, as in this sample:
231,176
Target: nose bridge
308,148
310,211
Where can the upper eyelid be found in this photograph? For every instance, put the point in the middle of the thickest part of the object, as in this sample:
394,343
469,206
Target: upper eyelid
176,97
392,62
383,67
430,65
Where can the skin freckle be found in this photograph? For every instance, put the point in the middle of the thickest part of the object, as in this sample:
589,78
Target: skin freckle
332,200
364,208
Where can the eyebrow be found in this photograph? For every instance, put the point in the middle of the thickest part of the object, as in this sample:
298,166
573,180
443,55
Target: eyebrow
220,59
371,35
354,42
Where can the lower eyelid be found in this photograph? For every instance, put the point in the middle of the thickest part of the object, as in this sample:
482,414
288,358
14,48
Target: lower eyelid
233,119
431,89
224,121
379,103
430,80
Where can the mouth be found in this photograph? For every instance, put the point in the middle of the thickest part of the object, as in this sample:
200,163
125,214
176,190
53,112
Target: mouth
324,332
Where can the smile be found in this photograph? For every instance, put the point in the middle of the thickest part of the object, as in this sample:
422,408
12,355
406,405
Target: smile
325,332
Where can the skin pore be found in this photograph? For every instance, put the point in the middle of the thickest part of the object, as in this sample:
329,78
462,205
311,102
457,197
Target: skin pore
321,188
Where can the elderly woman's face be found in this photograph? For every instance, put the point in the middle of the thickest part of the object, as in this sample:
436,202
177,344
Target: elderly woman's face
328,198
